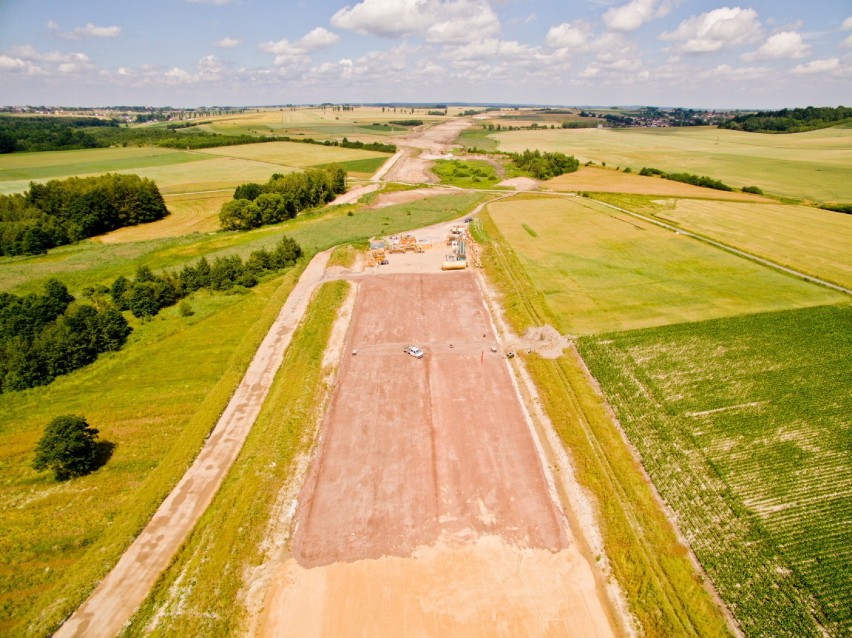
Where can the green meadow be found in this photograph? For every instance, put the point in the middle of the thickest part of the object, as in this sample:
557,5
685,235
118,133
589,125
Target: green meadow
813,165
600,270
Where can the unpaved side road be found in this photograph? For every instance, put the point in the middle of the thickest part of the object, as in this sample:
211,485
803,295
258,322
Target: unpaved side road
118,595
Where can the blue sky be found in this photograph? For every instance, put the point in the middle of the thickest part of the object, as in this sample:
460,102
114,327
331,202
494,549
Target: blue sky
692,53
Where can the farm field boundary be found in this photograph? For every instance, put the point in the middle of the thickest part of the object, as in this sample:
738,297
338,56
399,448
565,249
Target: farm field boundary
652,566
603,269
734,250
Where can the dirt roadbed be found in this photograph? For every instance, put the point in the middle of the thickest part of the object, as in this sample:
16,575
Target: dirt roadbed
426,510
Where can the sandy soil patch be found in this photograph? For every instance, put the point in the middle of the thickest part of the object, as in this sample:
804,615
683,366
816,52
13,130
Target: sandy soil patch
545,340
410,168
589,178
353,195
436,139
520,183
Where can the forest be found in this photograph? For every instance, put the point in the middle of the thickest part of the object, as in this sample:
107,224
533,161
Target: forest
62,212
790,120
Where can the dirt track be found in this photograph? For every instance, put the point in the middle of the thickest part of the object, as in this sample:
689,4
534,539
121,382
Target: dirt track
126,586
427,510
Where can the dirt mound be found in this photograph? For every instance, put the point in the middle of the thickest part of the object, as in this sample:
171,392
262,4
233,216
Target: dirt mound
545,340
520,183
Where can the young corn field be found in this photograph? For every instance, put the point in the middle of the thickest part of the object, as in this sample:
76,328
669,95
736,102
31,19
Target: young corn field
745,426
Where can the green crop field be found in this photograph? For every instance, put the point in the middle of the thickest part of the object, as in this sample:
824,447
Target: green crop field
813,165
602,271
743,425
814,241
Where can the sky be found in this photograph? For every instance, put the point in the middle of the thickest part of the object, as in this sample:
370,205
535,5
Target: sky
764,54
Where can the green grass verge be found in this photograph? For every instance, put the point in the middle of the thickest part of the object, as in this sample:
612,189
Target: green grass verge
157,399
343,256
466,173
743,424
199,594
653,569
476,137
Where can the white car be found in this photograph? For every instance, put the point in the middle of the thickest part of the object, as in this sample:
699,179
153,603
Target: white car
414,351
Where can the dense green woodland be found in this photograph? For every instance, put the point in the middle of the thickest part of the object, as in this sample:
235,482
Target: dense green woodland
65,211
281,198
790,120
545,165
48,335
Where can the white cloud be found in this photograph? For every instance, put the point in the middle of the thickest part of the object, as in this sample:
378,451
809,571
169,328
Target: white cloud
817,66
88,31
847,24
443,21
847,43
293,53
319,38
727,72
214,2
226,43
567,35
784,45
12,64
718,29
635,13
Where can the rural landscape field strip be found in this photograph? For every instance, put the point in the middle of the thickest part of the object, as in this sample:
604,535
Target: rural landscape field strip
743,425
603,269
127,585
650,564
812,165
810,240
202,593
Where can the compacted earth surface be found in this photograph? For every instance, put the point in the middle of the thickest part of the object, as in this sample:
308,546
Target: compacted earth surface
427,510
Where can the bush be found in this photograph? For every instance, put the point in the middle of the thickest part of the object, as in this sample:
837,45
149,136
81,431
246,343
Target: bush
753,189
68,447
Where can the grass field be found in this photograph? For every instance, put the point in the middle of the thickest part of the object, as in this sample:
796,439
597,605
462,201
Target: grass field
228,544
603,180
293,154
743,424
814,241
466,173
157,400
813,165
92,261
602,271
652,567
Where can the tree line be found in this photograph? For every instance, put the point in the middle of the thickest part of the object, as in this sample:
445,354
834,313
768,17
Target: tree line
43,336
689,178
545,165
65,211
148,293
281,198
790,120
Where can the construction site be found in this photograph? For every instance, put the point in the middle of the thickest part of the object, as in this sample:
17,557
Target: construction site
453,243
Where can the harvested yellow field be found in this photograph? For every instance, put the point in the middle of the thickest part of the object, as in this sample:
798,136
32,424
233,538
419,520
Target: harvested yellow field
190,213
292,153
602,180
816,242
213,174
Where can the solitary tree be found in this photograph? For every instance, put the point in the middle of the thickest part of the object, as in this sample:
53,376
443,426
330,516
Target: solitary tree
68,447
